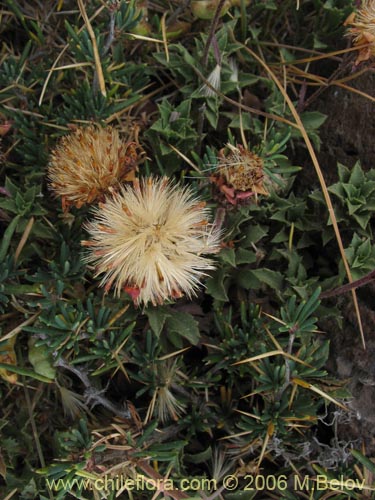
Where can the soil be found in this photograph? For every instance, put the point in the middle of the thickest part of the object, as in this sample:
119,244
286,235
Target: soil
347,137
354,365
349,131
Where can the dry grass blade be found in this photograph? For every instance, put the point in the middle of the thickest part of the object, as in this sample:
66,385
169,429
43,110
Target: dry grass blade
185,158
11,494
323,184
117,115
54,66
35,434
307,385
330,55
144,38
355,91
118,315
319,81
263,451
71,66
173,354
24,238
273,339
18,329
98,65
270,354
164,35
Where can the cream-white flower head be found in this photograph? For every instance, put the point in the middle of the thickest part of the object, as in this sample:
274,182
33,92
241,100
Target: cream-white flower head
150,239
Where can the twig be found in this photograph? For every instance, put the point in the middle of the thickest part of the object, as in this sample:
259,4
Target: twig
93,395
211,33
34,429
341,69
292,336
173,17
201,111
111,34
349,286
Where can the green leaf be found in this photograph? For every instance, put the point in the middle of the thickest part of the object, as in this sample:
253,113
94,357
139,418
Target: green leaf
370,466
312,120
147,433
245,121
311,305
318,44
254,234
184,325
228,255
188,58
184,108
157,317
362,220
246,279
357,177
244,256
212,116
198,458
215,285
24,371
274,279
280,237
7,237
338,190
11,187
41,359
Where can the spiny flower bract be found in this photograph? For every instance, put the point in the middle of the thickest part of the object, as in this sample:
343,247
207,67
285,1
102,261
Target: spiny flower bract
89,163
362,31
150,239
239,174
243,169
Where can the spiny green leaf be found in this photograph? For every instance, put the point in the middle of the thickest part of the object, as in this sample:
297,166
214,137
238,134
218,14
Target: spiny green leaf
184,325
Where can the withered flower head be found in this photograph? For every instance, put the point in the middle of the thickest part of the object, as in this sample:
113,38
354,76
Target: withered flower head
165,402
89,163
239,174
362,31
150,239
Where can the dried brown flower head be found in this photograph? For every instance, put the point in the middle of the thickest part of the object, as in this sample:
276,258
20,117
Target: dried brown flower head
149,240
89,163
239,174
362,31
